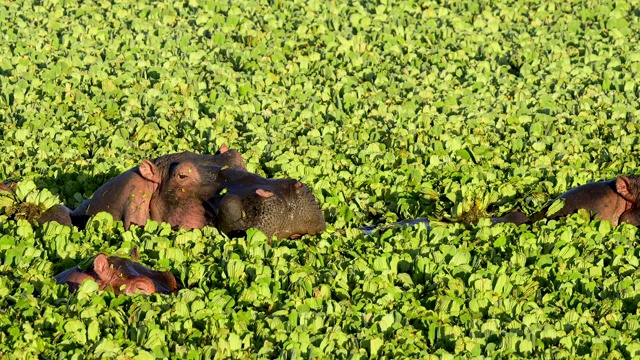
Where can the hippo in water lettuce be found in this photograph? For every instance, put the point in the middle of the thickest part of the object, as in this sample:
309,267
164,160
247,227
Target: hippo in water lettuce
171,188
120,275
614,200
285,208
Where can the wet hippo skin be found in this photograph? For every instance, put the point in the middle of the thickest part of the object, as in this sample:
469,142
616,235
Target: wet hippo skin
121,276
285,208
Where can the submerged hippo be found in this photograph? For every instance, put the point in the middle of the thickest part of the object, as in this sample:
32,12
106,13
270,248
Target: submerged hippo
120,275
614,200
285,208
171,188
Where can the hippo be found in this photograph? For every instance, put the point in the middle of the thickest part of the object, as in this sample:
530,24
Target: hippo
614,200
171,188
284,208
120,275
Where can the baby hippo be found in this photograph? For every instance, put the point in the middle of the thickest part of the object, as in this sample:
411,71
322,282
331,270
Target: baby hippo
285,208
122,276
614,200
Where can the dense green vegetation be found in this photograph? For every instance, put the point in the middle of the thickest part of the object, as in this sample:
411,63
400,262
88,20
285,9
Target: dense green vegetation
389,110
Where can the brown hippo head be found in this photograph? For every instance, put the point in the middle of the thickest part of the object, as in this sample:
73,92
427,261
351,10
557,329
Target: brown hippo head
165,189
181,196
285,208
122,276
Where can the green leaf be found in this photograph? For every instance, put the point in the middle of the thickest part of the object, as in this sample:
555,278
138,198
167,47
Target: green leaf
107,348
500,284
386,322
235,269
556,206
374,346
461,257
24,188
93,331
6,200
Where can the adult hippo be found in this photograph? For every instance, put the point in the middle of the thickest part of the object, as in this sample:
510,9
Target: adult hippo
171,188
614,200
120,275
285,208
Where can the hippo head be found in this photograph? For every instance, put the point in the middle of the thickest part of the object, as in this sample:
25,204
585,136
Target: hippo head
180,198
122,276
128,277
285,208
223,157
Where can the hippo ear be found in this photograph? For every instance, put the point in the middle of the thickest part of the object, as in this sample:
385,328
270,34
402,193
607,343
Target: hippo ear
300,188
150,171
623,187
223,149
264,193
101,267
134,254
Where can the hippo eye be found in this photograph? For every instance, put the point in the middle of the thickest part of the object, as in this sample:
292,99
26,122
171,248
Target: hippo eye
182,176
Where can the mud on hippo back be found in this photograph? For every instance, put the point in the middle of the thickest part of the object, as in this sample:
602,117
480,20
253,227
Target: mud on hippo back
170,188
285,208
